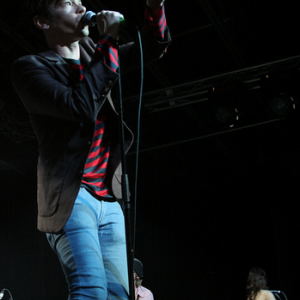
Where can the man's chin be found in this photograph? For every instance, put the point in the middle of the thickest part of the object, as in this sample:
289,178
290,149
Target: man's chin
85,31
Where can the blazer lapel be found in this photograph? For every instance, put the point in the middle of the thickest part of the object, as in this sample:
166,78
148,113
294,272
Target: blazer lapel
86,51
58,60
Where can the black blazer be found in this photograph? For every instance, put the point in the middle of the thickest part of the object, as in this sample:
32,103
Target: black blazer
63,116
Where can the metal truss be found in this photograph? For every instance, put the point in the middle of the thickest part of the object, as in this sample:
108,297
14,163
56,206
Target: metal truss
199,90
196,94
16,130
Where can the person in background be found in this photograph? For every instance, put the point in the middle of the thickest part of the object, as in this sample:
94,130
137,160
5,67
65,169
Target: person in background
141,292
257,285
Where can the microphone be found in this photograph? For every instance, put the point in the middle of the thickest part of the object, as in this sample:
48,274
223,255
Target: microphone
278,292
89,18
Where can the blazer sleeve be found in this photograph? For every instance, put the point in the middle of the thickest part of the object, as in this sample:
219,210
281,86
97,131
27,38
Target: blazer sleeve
44,84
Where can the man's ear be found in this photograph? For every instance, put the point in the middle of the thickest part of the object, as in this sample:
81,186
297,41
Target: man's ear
40,22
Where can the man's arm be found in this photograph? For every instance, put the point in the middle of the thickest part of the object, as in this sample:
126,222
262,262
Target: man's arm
155,4
46,87
46,90
155,39
155,18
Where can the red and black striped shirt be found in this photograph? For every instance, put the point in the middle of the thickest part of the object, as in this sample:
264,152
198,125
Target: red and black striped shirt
96,164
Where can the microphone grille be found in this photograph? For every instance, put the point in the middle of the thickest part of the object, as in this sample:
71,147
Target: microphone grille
87,19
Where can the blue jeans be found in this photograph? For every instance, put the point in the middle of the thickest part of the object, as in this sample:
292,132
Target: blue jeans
92,250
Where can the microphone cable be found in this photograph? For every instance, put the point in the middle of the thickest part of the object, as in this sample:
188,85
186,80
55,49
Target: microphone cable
138,134
138,131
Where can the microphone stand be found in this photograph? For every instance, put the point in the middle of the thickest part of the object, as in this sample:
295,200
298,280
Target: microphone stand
126,197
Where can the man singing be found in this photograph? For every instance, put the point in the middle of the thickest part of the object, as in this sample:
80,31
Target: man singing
66,91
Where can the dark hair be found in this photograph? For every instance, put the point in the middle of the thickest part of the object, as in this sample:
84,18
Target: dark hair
37,7
257,280
138,267
28,10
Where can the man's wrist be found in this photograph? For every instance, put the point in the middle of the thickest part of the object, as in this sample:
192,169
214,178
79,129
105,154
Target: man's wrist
154,14
155,4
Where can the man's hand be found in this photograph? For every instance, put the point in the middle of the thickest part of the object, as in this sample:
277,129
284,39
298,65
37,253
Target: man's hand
108,23
155,3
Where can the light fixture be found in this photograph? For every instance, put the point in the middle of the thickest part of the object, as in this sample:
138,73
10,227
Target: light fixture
281,105
226,116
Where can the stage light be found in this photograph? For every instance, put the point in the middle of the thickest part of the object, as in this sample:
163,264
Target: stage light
226,116
279,106
282,105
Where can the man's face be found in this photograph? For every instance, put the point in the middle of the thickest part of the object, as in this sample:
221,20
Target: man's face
65,23
135,278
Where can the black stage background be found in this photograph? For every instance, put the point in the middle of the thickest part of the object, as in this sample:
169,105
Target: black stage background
208,209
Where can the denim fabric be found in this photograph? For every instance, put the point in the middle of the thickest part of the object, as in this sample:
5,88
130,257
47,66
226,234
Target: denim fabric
92,250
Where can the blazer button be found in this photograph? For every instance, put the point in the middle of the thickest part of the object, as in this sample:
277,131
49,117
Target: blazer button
105,90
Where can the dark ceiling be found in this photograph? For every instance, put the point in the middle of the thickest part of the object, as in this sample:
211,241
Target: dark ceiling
209,38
